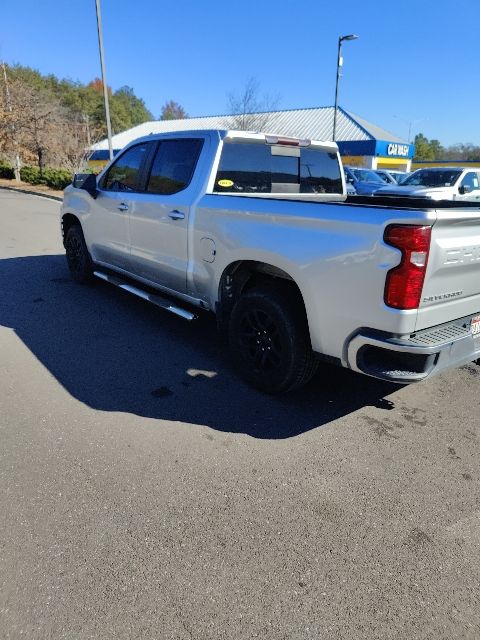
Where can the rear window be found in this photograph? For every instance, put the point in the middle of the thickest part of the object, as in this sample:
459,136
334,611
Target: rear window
261,168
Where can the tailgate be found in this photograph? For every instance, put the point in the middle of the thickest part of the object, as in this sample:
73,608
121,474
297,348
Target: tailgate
452,281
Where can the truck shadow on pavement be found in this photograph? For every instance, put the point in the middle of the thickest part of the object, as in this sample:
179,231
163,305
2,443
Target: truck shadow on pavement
114,352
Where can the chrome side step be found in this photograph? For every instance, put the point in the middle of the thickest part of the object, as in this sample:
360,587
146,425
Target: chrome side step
159,301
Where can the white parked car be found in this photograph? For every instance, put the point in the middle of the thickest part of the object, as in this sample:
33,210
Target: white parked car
438,183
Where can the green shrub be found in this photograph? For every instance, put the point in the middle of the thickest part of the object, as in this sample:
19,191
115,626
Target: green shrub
53,178
31,175
57,178
6,171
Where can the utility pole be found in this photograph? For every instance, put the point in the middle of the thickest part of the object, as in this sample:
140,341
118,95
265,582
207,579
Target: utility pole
14,133
104,78
86,117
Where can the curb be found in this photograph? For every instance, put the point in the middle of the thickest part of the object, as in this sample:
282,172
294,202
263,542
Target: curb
32,193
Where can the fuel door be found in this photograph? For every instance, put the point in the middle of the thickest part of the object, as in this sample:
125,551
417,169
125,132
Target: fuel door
208,249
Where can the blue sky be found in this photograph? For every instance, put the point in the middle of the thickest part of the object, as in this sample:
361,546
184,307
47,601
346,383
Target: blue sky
417,60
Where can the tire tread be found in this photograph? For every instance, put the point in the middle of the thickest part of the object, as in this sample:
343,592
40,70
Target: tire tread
291,311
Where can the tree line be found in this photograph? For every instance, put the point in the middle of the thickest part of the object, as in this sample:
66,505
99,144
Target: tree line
53,122
430,150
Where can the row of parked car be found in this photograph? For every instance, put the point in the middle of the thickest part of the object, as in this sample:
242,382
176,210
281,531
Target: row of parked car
436,183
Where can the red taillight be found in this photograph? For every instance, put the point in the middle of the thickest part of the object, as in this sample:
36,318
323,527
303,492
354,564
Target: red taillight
404,284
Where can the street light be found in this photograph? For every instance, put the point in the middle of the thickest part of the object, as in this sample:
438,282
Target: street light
410,124
352,36
104,78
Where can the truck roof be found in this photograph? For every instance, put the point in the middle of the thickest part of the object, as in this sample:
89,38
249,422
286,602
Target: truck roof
271,138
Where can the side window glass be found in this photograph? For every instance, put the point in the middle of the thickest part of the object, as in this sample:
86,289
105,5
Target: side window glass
173,166
470,180
124,174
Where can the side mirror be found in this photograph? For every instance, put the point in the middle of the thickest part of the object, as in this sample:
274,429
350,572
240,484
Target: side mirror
87,182
466,188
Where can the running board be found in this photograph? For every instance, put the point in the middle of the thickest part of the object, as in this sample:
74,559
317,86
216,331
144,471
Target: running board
155,299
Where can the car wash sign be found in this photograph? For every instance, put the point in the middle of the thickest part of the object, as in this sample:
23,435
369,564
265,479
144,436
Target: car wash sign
394,149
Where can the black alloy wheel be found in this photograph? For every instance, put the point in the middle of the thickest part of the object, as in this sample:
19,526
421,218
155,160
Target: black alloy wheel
269,339
259,337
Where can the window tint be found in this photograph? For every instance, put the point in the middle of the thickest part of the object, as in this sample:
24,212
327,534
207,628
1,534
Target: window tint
284,171
433,178
174,165
470,180
319,172
102,154
124,174
244,168
349,177
365,175
253,168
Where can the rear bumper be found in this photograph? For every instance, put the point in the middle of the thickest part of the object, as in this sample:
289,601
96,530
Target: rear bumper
415,358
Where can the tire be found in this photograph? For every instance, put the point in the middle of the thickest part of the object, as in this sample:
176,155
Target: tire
78,258
269,340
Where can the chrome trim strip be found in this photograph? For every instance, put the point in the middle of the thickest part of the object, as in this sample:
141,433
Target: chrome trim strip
163,303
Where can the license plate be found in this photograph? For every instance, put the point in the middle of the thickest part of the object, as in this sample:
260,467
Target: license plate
475,326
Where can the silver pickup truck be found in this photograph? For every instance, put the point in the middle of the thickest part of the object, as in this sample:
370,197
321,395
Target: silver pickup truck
256,229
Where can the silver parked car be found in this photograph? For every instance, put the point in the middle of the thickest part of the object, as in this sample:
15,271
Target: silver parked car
392,176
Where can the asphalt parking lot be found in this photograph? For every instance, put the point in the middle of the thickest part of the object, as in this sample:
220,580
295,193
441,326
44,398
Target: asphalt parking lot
147,492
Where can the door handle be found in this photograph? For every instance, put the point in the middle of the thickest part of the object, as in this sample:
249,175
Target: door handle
123,206
176,215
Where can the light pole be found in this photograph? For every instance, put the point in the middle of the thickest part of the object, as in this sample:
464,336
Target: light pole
104,78
410,124
352,36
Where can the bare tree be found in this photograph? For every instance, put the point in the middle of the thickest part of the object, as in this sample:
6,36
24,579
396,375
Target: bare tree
73,153
34,118
172,110
46,131
249,109
7,121
51,122
9,131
